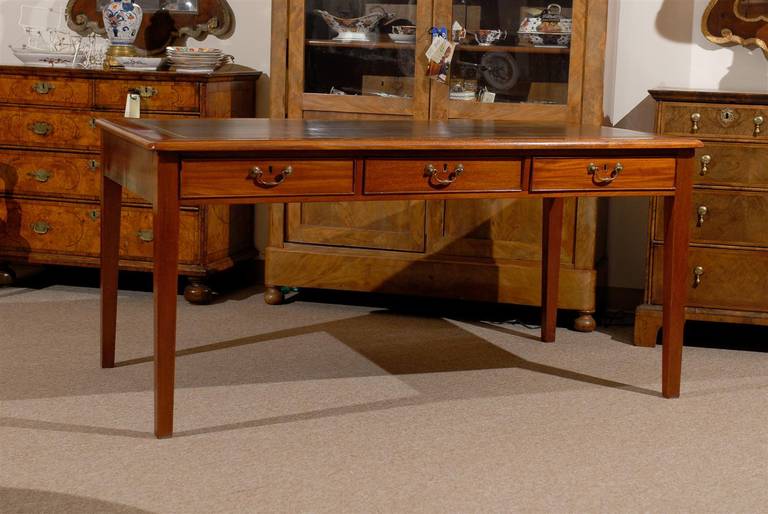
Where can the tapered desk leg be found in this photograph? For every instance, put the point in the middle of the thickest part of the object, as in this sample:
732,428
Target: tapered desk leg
111,193
166,254
677,217
550,265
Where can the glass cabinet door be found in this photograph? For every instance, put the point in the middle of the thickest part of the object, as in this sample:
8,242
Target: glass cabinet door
362,54
515,55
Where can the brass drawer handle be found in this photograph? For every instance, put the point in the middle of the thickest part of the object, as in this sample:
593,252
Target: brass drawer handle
698,271
594,170
146,235
144,91
758,121
40,175
43,88
705,162
41,128
257,174
93,165
40,227
433,174
695,119
701,212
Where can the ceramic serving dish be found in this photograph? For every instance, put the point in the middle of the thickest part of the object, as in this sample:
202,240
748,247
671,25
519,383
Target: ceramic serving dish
487,37
354,29
48,59
140,63
550,28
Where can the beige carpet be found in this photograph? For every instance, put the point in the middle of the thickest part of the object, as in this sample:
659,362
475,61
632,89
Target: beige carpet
312,407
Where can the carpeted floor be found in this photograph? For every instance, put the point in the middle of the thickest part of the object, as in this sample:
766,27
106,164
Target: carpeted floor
312,407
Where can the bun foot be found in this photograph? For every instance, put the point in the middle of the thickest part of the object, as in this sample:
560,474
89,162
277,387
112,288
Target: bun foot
7,275
273,296
585,322
198,292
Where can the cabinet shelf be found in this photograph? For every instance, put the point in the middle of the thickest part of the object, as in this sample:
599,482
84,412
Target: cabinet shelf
514,49
386,44
381,43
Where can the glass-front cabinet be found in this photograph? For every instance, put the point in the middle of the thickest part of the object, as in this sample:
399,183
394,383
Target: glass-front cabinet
512,59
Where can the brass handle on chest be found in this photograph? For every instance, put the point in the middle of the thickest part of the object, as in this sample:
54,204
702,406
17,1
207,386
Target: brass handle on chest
701,213
594,170
40,175
146,235
144,91
758,121
257,174
705,161
695,119
433,173
40,227
698,271
43,88
41,128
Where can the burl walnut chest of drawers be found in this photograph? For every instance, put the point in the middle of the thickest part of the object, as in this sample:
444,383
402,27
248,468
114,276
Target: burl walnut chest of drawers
50,176
728,255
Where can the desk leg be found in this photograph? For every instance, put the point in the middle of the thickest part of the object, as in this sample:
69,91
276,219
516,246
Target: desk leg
166,254
550,265
111,199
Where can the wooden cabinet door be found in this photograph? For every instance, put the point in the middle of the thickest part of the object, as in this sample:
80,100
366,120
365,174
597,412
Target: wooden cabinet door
495,229
396,226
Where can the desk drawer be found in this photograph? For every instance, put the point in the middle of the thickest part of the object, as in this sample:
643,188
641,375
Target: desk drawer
155,96
715,120
57,92
392,176
202,178
619,174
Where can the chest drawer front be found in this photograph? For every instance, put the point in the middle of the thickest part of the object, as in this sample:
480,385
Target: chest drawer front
31,226
48,128
724,217
259,178
620,174
720,279
720,121
155,96
732,164
57,92
391,176
50,174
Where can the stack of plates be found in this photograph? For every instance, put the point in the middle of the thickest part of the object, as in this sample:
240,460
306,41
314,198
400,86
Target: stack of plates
194,60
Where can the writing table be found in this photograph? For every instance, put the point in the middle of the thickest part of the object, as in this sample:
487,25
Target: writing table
173,163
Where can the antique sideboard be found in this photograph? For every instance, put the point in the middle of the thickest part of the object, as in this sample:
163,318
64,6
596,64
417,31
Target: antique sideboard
50,168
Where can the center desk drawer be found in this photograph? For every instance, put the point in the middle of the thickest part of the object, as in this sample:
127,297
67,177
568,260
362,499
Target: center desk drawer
619,174
202,178
393,176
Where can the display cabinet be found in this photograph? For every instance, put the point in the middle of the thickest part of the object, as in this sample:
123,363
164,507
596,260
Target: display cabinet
525,60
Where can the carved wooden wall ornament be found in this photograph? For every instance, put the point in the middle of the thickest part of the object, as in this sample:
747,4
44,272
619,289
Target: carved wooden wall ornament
160,28
743,22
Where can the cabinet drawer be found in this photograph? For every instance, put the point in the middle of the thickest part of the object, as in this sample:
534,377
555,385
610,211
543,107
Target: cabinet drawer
730,279
715,120
732,164
388,176
724,217
50,174
59,92
48,128
32,226
210,179
155,96
620,174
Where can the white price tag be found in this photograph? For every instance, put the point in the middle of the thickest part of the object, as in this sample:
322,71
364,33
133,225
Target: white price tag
133,106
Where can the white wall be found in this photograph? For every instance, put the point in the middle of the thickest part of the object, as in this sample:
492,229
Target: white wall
651,43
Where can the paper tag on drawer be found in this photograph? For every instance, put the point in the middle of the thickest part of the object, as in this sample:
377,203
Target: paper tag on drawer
133,106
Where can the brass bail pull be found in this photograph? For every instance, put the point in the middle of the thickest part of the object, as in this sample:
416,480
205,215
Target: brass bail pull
257,174
433,174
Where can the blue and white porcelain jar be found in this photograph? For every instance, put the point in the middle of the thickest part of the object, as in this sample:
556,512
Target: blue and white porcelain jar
122,20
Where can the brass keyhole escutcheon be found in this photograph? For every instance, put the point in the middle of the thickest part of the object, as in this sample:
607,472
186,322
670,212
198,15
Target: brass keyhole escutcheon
727,116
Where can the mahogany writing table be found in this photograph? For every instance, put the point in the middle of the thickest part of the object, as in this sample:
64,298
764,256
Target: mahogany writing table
173,163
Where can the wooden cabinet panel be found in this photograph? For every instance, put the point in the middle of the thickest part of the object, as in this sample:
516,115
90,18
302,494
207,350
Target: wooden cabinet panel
620,174
155,96
398,226
730,279
388,176
724,217
721,121
38,226
496,229
57,92
732,164
205,179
